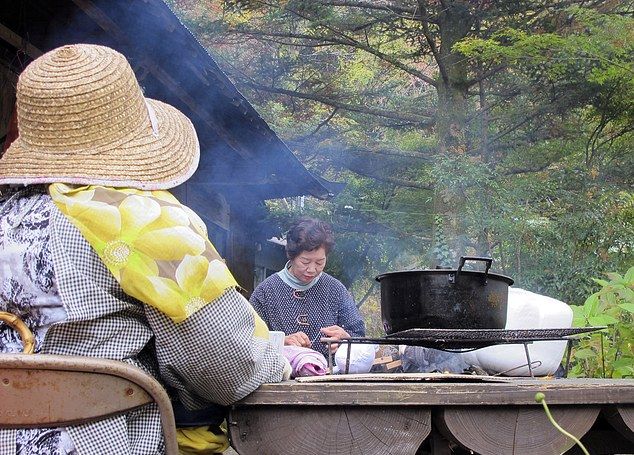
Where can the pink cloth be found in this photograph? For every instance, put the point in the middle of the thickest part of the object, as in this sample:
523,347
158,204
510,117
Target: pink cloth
305,361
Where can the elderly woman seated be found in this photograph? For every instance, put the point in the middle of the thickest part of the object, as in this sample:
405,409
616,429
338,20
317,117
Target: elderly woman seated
98,259
302,300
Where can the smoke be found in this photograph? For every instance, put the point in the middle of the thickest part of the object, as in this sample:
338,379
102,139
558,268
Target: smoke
242,161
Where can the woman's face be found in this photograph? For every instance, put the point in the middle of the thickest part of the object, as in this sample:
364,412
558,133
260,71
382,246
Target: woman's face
308,264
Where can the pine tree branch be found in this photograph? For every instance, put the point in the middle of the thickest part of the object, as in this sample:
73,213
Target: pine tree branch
343,41
387,179
410,13
423,120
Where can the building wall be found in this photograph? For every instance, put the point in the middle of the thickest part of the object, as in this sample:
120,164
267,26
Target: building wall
8,81
269,258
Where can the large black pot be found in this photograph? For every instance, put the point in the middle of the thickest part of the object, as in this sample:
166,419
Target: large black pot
444,299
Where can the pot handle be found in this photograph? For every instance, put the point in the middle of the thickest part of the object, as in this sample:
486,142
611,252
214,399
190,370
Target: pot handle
463,259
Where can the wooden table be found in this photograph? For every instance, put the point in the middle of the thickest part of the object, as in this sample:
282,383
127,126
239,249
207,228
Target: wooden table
433,414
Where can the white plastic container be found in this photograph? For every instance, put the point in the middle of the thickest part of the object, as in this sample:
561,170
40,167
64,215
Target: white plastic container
526,310
361,358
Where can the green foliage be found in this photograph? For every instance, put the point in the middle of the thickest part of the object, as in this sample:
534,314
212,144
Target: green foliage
592,49
539,176
588,36
441,253
552,245
611,354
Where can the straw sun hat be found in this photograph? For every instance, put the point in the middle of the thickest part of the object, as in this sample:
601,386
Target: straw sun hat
82,119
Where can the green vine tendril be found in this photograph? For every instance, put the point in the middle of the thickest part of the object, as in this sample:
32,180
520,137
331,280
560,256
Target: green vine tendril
541,398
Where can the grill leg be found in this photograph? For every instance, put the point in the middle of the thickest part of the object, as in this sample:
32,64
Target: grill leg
348,357
330,362
528,360
568,353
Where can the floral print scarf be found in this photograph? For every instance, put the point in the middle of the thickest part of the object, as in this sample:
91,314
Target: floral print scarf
156,248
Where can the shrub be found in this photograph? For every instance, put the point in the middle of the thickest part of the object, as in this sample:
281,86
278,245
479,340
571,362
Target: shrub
610,354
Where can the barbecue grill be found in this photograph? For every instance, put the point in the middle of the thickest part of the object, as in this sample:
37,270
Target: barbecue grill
463,340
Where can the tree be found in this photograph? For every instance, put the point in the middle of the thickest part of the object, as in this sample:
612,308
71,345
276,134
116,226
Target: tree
461,126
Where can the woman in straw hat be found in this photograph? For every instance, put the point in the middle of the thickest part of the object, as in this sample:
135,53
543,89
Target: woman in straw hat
99,260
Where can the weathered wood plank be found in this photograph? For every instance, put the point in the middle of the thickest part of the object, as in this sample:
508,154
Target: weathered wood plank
405,377
514,429
328,430
519,392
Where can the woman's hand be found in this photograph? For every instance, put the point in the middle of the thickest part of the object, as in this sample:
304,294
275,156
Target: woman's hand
334,331
297,339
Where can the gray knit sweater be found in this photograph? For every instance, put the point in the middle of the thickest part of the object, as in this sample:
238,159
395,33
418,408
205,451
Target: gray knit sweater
326,303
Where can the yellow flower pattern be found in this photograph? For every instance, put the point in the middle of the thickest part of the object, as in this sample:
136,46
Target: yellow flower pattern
156,248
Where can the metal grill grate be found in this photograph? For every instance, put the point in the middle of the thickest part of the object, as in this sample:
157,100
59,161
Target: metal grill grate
477,338
462,340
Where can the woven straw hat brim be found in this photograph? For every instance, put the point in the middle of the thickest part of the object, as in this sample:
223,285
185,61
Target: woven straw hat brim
145,161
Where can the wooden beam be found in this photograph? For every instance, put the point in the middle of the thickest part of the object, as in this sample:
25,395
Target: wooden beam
18,42
167,80
519,430
330,430
469,392
102,20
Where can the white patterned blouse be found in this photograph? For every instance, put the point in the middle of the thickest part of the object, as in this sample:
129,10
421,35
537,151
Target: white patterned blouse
54,280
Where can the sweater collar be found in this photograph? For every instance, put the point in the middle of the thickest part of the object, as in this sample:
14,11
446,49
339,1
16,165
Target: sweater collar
291,280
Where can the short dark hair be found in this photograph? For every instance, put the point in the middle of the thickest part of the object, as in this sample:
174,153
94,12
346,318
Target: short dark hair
308,234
